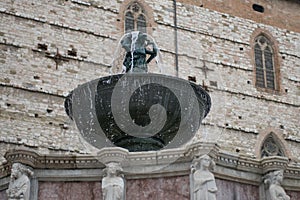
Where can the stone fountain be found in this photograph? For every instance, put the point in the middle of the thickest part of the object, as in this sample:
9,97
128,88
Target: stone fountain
137,110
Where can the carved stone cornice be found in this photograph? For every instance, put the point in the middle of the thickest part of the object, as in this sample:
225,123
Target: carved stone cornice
292,172
273,163
238,162
112,154
247,170
5,170
169,162
53,161
27,157
200,148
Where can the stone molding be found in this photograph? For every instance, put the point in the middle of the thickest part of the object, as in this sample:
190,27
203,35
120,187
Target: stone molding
112,154
174,162
53,161
274,163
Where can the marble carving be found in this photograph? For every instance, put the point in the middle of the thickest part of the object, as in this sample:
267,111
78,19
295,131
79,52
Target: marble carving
19,185
113,183
203,181
274,189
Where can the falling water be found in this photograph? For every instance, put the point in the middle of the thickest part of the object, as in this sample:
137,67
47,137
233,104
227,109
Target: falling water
120,52
134,37
158,60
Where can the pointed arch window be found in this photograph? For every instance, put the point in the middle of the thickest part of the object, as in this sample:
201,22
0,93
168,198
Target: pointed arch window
264,64
135,19
271,147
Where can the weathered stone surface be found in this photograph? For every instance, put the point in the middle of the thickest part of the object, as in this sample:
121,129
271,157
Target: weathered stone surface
216,33
158,188
152,173
293,194
70,190
235,190
3,195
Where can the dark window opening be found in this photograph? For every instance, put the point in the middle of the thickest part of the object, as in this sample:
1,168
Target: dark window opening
258,8
43,47
192,78
141,23
213,83
129,22
49,110
281,126
72,52
264,63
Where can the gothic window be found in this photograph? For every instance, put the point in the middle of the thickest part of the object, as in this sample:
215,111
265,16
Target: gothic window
264,63
135,19
270,147
129,22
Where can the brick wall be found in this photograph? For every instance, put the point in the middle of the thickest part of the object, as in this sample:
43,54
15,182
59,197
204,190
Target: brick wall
279,13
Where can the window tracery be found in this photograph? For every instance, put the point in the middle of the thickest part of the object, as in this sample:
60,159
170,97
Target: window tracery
135,18
264,63
270,147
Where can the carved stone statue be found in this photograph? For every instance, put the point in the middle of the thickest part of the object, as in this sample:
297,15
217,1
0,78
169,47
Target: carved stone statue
19,185
273,182
113,183
137,47
204,185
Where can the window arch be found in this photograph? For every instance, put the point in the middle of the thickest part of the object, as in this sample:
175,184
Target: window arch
271,147
265,71
135,18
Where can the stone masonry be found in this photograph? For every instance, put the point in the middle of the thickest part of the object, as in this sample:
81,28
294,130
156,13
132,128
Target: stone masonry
50,47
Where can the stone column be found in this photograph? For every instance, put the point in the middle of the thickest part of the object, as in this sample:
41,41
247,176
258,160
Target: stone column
34,188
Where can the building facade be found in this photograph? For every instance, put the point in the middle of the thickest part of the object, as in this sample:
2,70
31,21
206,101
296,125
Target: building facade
246,54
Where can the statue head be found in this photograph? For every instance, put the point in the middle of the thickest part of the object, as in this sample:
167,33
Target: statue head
277,176
274,177
19,169
203,162
113,169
